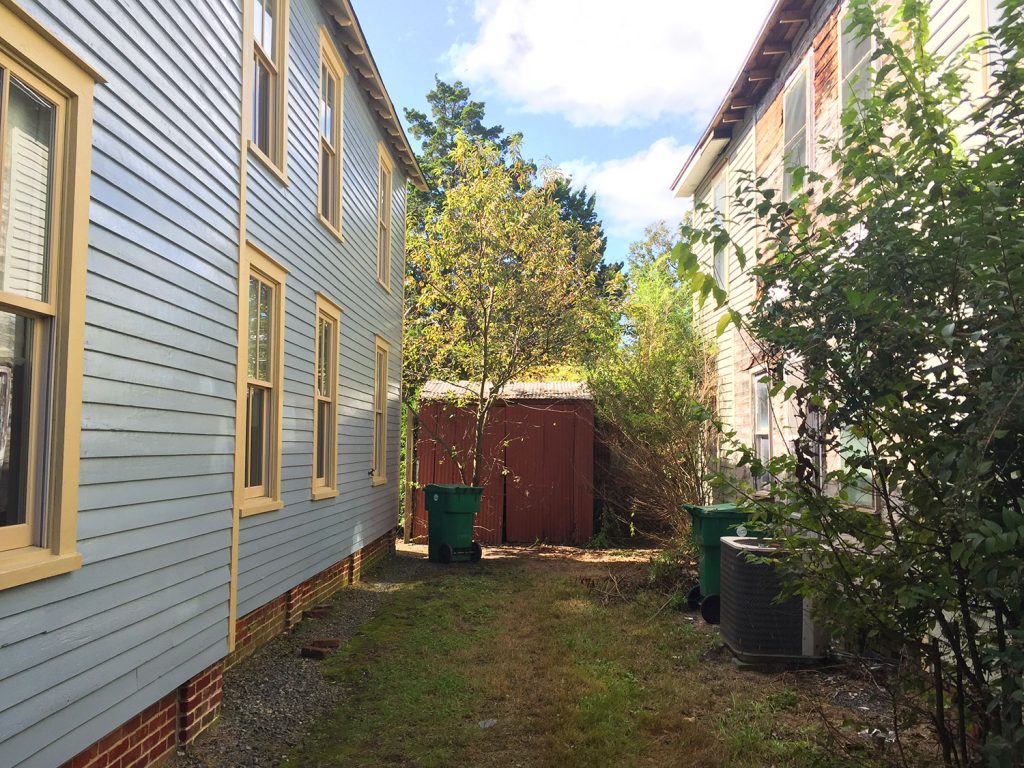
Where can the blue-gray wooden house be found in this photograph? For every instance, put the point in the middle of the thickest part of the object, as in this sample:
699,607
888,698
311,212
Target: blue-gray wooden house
201,264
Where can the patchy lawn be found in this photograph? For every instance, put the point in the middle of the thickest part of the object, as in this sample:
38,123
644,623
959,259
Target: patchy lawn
575,670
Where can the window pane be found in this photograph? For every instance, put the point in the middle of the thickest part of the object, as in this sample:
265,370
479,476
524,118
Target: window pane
325,346
25,219
327,174
855,48
261,108
323,437
795,108
995,12
327,98
382,253
762,407
15,403
266,11
266,316
254,313
256,432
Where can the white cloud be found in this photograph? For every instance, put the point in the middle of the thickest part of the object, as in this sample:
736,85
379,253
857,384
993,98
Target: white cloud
633,192
604,62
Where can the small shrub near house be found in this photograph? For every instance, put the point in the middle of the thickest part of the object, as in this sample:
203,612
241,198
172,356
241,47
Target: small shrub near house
891,318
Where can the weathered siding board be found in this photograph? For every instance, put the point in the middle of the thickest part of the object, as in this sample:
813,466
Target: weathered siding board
82,653
278,550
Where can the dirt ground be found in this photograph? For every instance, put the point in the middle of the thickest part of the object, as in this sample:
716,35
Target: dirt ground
536,656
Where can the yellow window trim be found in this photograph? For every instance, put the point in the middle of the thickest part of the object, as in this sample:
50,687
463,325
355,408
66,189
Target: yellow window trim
327,487
258,263
42,56
384,160
330,58
380,345
277,161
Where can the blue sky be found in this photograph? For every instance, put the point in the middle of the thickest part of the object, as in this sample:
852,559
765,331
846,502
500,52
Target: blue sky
611,93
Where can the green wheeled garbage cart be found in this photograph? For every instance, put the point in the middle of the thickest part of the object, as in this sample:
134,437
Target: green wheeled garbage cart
710,524
451,509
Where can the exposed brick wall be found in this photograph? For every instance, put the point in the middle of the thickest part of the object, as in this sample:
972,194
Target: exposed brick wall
199,703
257,628
143,741
317,589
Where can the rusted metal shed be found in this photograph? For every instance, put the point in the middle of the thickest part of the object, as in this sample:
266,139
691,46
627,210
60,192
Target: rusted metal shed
538,473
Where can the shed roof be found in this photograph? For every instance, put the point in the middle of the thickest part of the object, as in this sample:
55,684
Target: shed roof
368,76
519,390
786,21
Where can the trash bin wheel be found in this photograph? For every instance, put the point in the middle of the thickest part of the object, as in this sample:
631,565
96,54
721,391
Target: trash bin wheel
477,553
446,553
693,598
711,609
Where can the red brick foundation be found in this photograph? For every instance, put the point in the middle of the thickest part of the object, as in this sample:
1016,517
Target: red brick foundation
199,703
259,627
180,716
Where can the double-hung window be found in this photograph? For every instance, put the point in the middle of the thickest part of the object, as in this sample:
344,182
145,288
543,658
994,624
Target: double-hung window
264,384
854,61
45,150
721,266
332,78
325,400
994,11
795,132
384,196
762,427
853,450
269,40
380,412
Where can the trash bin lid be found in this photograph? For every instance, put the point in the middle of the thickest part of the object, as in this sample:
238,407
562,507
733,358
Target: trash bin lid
453,489
715,510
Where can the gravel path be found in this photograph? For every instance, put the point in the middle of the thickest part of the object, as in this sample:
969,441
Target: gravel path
273,697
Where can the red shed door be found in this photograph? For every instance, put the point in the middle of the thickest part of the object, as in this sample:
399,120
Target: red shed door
539,486
441,427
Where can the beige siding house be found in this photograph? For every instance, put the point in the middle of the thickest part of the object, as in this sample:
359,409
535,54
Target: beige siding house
787,97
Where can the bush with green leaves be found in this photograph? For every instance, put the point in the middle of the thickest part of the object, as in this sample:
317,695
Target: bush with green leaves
891,318
652,392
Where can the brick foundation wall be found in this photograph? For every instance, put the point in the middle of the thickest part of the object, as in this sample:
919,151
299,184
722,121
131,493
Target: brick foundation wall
199,703
259,627
179,717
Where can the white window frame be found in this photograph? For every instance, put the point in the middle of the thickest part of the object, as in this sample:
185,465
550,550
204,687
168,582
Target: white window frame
863,67
720,207
804,71
761,438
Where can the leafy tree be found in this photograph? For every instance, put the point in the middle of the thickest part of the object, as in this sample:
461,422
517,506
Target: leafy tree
891,317
652,391
501,290
452,112
580,207
657,241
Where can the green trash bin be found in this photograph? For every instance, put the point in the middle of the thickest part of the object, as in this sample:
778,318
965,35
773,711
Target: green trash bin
710,524
451,509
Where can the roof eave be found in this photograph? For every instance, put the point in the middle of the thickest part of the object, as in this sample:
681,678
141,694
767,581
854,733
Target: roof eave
365,70
787,16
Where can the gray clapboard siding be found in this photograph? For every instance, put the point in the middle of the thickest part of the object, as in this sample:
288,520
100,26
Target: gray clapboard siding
280,549
77,615
83,652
